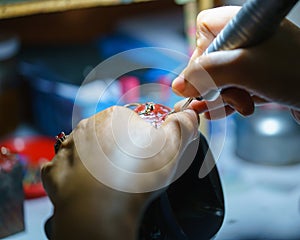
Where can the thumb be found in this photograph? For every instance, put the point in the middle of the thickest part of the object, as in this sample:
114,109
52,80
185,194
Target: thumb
208,72
210,23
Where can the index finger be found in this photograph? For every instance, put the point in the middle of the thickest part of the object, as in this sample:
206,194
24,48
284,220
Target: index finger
209,23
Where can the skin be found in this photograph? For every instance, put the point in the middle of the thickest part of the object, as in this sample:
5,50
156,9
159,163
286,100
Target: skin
268,72
85,207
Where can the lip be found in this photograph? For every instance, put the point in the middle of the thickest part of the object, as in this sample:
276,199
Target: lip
193,115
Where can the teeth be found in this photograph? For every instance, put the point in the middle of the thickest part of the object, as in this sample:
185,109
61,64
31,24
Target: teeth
153,113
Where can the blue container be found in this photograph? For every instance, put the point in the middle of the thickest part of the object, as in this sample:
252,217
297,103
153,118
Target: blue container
53,101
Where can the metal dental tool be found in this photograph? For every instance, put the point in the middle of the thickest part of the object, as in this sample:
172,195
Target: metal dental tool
254,23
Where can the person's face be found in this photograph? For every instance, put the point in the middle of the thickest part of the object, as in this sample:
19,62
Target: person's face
74,178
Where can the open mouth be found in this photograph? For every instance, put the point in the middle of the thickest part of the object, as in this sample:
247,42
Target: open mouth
153,113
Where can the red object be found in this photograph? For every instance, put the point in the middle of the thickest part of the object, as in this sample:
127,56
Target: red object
153,113
61,135
33,152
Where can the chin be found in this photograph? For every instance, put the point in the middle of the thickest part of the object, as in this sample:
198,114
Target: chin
48,180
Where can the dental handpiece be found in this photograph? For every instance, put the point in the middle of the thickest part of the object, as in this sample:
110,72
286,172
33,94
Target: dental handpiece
254,23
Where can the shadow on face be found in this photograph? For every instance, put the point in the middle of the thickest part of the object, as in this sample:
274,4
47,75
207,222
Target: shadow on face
83,205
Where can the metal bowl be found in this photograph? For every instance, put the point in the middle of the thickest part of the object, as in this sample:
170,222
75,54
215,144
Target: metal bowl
269,136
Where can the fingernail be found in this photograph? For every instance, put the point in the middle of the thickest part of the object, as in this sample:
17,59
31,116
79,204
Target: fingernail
178,85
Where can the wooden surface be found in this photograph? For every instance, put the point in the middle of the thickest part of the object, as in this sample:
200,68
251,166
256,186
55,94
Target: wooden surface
16,8
79,25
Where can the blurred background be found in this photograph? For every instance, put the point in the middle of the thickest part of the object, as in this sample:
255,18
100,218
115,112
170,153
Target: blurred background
48,50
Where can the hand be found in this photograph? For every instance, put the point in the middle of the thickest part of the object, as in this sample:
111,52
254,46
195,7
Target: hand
105,201
249,76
